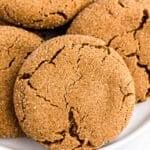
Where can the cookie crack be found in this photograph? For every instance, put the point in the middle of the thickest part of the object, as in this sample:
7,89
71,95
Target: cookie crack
121,4
31,86
11,62
12,59
47,100
58,141
9,65
111,40
23,107
84,116
37,20
90,45
73,130
56,55
145,67
148,73
27,55
80,76
26,76
65,99
109,12
138,59
60,13
126,95
121,90
11,46
142,23
131,55
97,47
36,69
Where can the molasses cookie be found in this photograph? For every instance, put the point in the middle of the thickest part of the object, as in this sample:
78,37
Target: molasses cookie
15,46
40,14
74,93
125,26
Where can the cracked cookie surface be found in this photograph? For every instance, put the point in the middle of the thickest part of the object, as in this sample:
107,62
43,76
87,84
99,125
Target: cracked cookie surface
74,93
40,14
15,45
125,26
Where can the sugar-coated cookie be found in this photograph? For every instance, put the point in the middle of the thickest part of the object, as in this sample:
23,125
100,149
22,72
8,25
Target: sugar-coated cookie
74,92
40,14
15,46
125,26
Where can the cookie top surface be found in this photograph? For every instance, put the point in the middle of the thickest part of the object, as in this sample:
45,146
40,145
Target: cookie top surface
15,45
40,14
124,25
73,93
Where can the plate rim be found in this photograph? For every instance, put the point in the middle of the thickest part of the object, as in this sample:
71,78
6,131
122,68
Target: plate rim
145,125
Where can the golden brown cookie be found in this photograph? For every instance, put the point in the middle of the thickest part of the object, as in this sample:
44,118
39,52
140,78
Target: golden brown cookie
125,26
40,14
74,93
15,46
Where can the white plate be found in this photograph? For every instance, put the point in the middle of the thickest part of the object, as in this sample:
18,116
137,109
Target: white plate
139,122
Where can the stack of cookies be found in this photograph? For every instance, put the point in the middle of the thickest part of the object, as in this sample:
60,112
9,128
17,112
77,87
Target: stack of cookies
75,91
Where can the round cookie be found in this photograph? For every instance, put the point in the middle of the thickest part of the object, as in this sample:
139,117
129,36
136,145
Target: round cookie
74,93
40,14
15,46
125,26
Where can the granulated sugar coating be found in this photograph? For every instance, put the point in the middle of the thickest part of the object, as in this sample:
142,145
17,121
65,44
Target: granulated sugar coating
75,93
